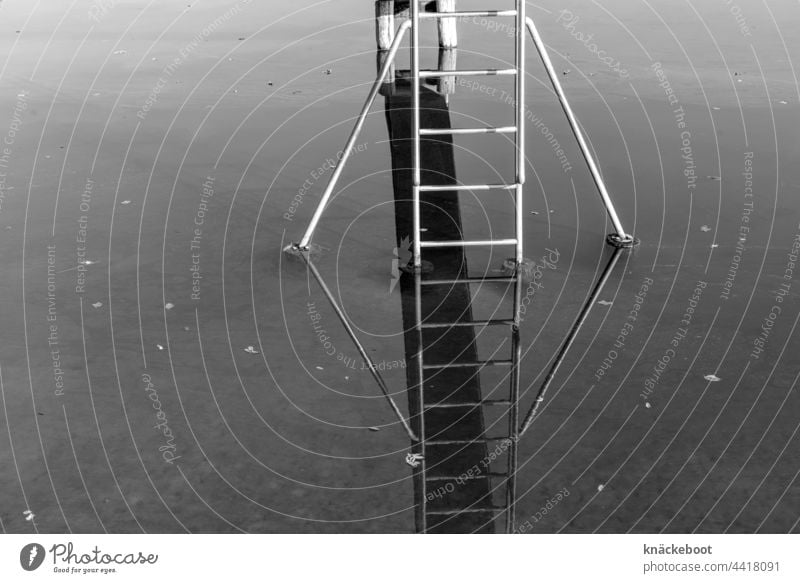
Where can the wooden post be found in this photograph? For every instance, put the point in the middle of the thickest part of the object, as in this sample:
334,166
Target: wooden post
448,27
447,62
384,23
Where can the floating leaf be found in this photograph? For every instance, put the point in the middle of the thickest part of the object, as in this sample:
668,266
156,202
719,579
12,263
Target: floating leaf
712,378
159,347
374,428
125,202
319,368
705,228
647,404
251,350
97,305
169,305
600,487
605,303
714,177
414,459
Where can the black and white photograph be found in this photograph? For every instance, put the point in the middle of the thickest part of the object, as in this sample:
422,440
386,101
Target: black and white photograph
359,267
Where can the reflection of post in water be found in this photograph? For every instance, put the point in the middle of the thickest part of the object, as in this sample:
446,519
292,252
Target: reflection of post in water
456,488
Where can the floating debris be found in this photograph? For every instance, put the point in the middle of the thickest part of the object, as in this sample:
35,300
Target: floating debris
186,328
120,52
783,102
29,516
414,459
125,202
327,71
251,350
347,378
705,228
374,428
714,177
600,487
714,245
566,71
159,347
712,378
97,305
647,404
270,83
534,212
87,262
169,305
715,108
605,303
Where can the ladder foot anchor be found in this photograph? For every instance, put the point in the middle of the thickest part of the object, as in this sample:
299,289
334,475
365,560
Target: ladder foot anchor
622,241
424,267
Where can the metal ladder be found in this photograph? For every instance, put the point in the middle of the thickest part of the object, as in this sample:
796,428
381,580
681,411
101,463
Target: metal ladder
619,238
518,129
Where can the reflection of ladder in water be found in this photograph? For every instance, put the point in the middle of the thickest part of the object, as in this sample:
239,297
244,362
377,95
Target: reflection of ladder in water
450,412
447,493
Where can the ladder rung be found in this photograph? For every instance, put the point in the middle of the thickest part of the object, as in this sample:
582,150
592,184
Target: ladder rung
478,363
476,441
479,243
467,14
491,279
486,402
449,131
468,510
445,187
495,322
465,477
428,73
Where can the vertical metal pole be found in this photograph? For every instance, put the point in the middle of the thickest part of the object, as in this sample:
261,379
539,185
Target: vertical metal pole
415,155
573,123
513,415
520,117
421,393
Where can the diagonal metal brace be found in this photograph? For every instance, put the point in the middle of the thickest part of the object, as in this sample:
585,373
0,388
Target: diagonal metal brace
620,238
304,242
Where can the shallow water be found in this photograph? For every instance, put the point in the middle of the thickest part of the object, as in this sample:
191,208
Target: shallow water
129,401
